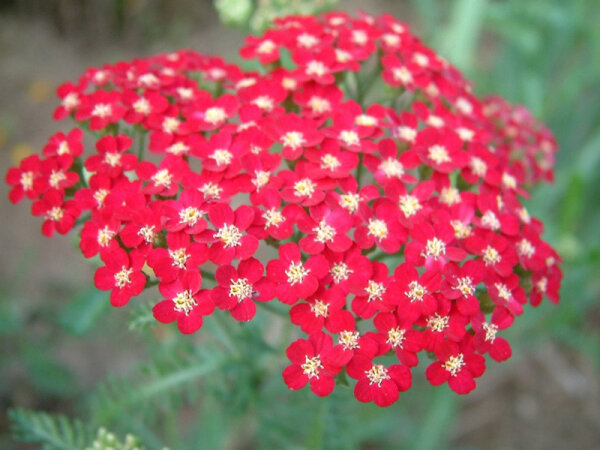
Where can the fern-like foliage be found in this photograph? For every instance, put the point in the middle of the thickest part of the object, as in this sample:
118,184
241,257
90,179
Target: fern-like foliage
162,384
52,432
141,317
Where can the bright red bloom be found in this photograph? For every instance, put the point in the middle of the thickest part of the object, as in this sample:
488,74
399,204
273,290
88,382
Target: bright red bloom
322,309
162,180
415,291
121,275
381,228
238,288
187,213
112,158
316,361
506,292
101,108
324,227
228,240
23,179
70,96
431,246
486,340
185,302
378,383
296,279
397,335
458,365
440,150
60,144
98,234
349,270
58,214
392,166
460,284
497,254
55,174
295,134
181,255
377,295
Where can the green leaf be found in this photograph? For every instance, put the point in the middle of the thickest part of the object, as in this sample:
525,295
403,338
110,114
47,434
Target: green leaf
141,317
460,40
83,312
47,374
438,420
53,432
155,381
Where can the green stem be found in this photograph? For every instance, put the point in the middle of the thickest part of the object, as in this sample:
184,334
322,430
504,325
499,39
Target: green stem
141,141
359,170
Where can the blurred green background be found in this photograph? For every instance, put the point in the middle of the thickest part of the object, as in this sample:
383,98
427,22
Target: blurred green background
66,352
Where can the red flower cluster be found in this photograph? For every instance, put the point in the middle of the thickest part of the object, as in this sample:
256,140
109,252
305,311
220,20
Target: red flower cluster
397,217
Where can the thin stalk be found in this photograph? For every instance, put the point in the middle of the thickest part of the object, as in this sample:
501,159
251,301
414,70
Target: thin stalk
141,141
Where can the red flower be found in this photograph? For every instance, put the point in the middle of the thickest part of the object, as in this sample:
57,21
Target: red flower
415,290
185,302
142,106
378,383
122,275
162,180
397,334
316,361
143,228
486,340
295,279
413,207
317,100
444,324
181,255
112,158
431,246
265,48
228,240
324,227
23,179
273,221
459,284
58,214
295,134
322,309
55,174
349,271
61,145
458,365
391,166
507,292
330,161
101,108
440,150
239,288
187,213
98,234
497,254
376,295
381,228
94,197
70,96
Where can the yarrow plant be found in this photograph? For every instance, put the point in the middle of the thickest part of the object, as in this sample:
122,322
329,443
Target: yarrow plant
390,191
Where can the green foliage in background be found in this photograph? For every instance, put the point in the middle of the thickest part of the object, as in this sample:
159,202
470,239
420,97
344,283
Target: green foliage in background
257,15
223,389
